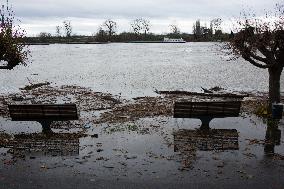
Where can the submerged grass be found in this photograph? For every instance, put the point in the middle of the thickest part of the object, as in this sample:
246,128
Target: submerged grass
262,110
122,128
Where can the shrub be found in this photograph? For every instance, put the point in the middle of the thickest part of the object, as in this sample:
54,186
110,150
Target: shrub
12,47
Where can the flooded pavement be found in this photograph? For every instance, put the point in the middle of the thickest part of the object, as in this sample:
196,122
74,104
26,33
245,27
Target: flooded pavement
137,143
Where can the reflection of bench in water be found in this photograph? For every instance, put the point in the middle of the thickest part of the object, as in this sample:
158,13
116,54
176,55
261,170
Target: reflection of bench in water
56,144
187,142
215,139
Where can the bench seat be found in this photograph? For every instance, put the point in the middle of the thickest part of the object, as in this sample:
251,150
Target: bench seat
43,113
206,111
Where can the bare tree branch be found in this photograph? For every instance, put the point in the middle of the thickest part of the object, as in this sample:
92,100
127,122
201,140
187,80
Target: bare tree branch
265,51
5,68
174,29
136,26
256,57
253,62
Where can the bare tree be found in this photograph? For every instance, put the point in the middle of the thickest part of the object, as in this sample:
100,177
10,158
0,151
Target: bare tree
68,28
58,31
101,35
145,26
174,29
261,43
44,35
111,27
136,25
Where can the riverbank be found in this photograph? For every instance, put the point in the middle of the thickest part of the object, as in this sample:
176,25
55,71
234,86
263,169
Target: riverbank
71,43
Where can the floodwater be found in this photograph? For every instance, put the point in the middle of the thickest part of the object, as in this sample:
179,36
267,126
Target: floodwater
134,70
150,152
156,152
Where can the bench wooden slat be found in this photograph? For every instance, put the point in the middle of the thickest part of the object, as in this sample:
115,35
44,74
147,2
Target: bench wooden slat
209,114
206,111
40,109
221,115
207,105
38,115
208,102
43,112
45,106
207,108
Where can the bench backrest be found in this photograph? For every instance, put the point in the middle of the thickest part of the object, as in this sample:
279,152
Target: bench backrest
36,112
207,109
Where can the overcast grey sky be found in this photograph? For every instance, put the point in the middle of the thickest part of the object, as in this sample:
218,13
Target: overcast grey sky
86,15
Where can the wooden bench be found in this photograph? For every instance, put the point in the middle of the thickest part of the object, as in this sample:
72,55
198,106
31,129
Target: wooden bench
206,111
45,114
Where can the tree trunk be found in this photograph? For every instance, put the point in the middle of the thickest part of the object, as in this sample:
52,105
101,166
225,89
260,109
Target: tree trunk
109,37
274,84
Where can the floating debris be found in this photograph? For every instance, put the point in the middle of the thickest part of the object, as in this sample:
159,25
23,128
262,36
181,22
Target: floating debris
5,139
34,86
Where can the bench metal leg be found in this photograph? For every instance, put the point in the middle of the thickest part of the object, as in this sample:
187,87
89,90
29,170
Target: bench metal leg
205,123
46,126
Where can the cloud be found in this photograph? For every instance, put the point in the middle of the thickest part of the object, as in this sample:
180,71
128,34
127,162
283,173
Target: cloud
40,14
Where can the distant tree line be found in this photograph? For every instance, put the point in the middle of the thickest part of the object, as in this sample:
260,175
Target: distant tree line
140,31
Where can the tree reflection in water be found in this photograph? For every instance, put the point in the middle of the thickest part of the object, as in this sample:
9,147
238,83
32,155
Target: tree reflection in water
272,136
